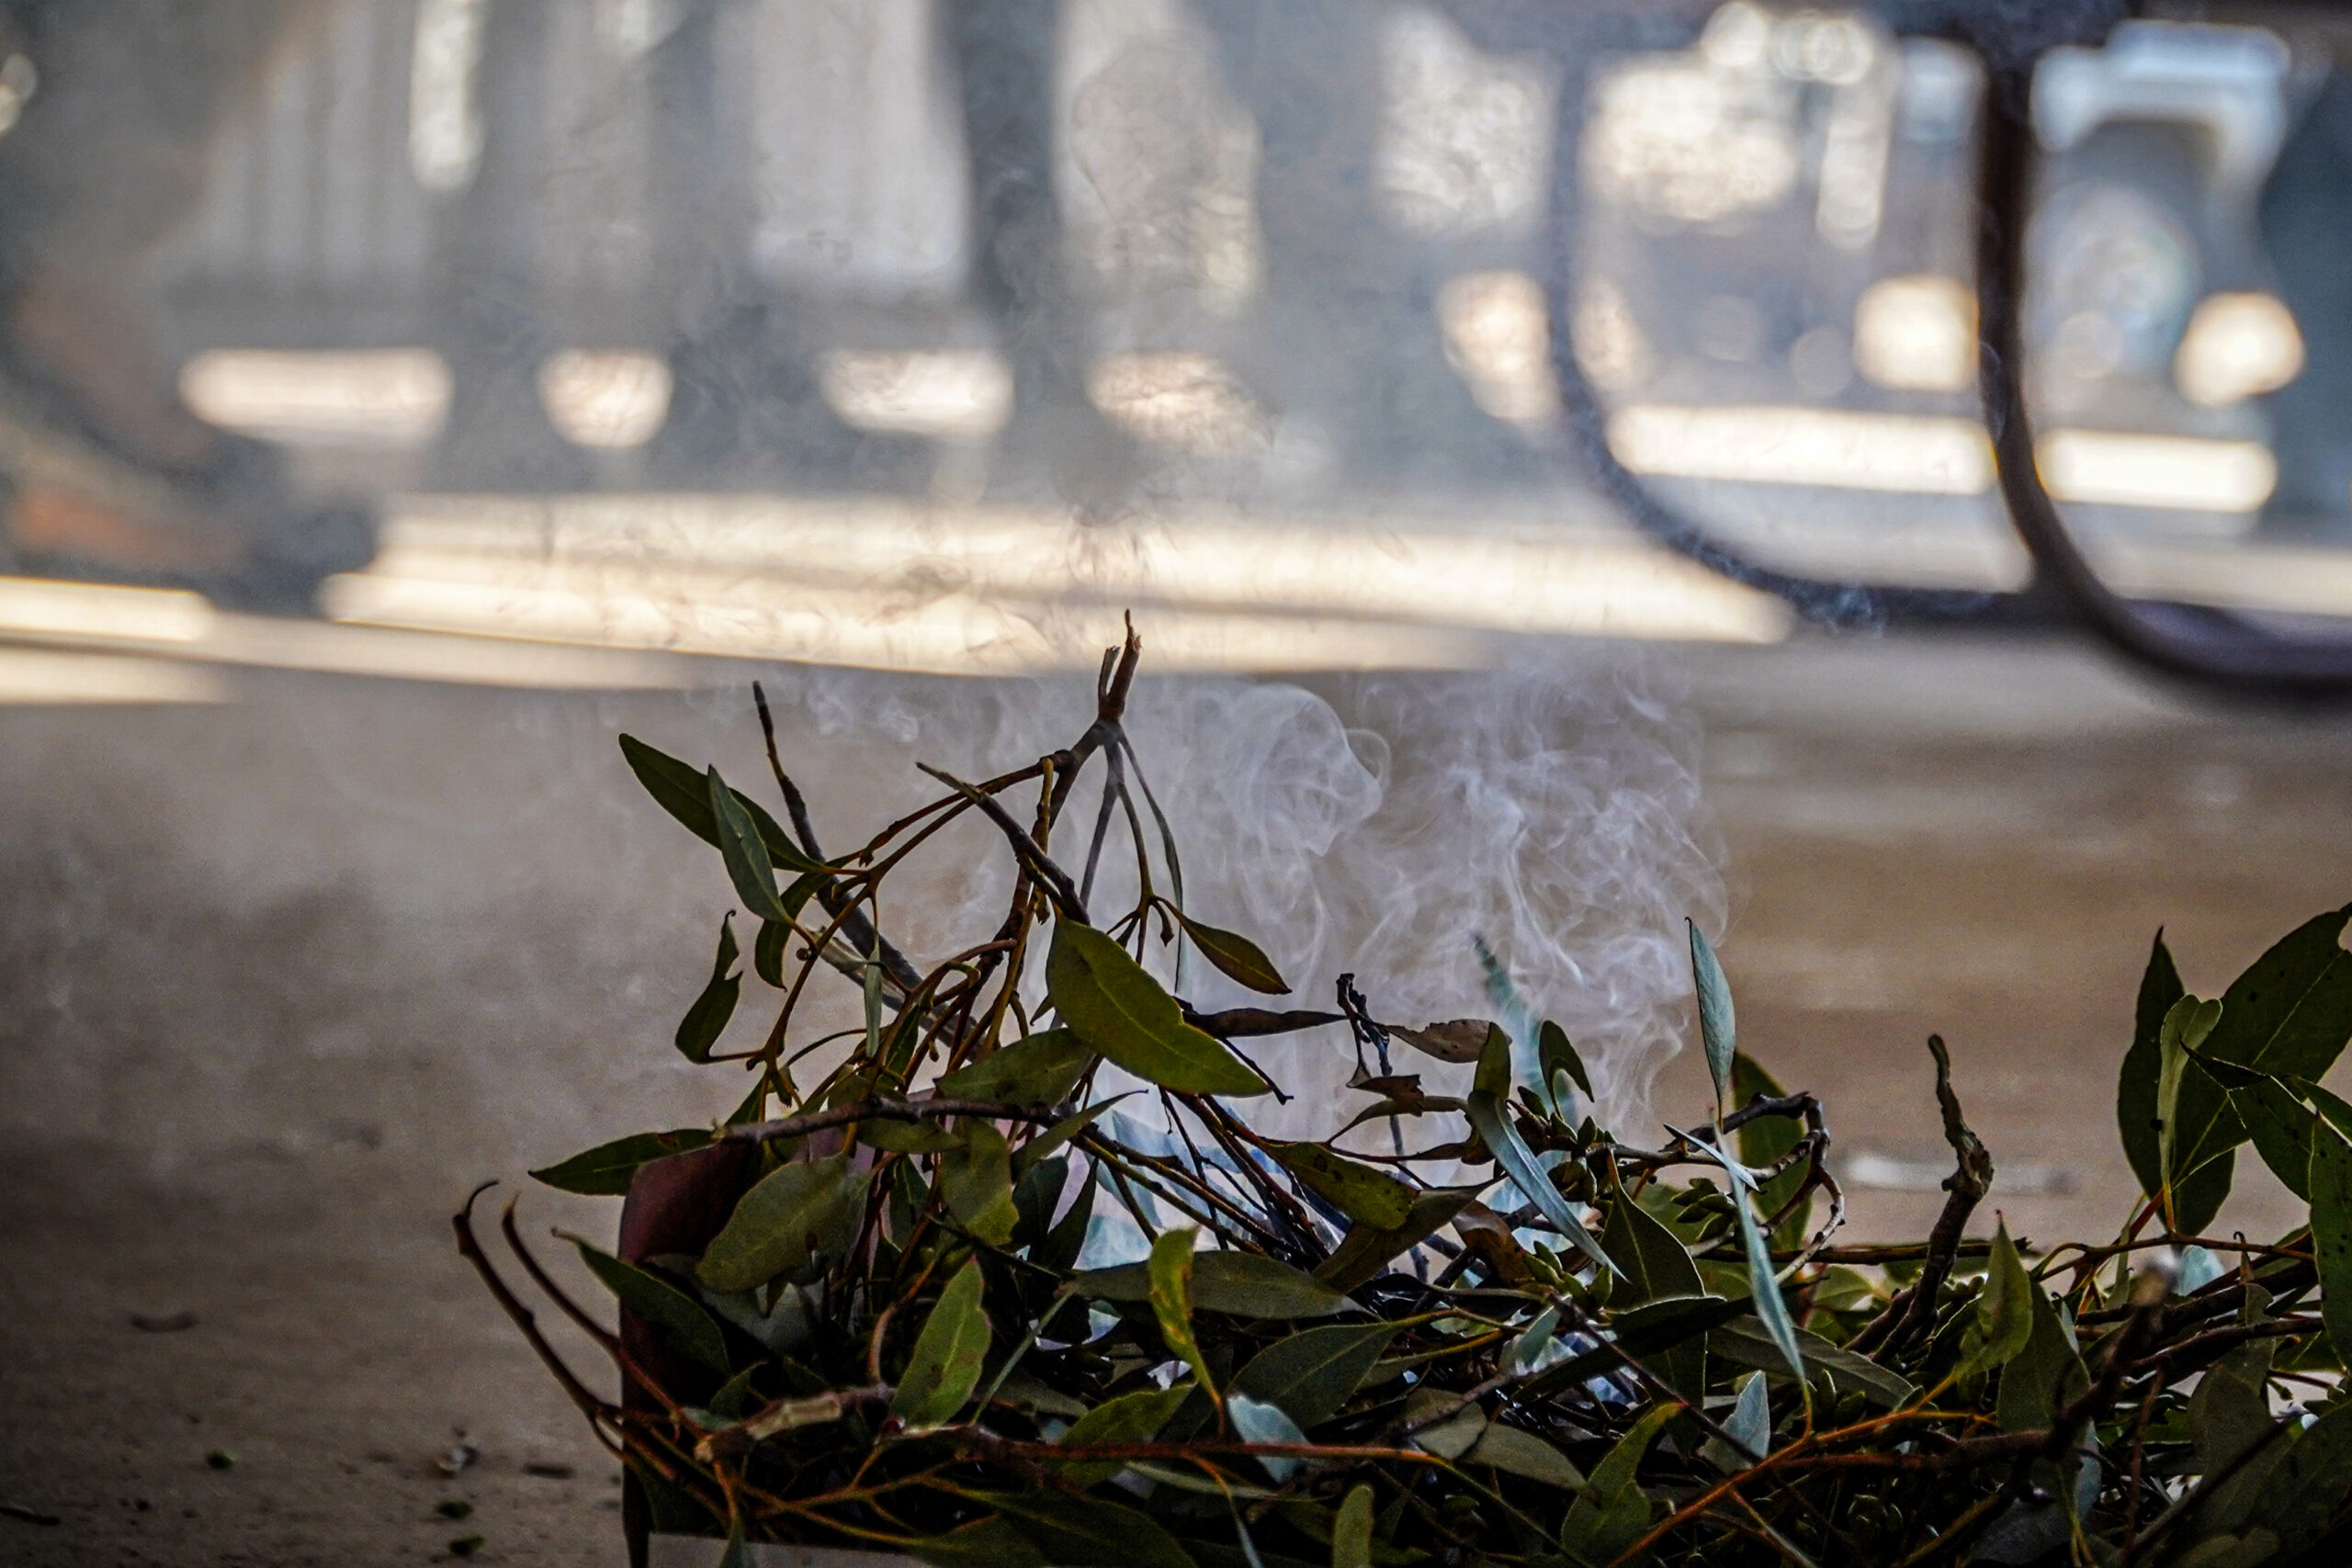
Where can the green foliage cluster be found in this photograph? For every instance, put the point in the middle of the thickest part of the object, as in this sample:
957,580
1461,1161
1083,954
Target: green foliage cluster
1523,1341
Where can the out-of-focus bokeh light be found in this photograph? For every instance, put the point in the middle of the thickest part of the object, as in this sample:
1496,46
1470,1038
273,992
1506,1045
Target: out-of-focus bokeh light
1789,444
2119,469
1189,403
953,394
1497,338
1917,333
379,397
612,398
2237,346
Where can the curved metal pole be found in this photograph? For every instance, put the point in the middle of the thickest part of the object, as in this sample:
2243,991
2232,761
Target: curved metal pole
2193,640
1826,602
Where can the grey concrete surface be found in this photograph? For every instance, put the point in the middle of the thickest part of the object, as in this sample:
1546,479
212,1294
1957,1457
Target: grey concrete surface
287,973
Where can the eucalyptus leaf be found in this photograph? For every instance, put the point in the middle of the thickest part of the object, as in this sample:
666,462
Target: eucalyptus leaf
1130,1418
1491,1118
1718,1029
945,1365
706,1019
1057,1136
1750,1425
1039,1070
1558,1056
748,866
1351,1531
1241,1283
2282,1128
606,1170
1254,1421
1365,1250
682,791
2331,1194
976,1181
2291,1012
1236,957
1744,1342
2136,1115
1312,1373
2004,1319
1170,1295
1365,1194
1771,1309
1613,1511
1089,1532
793,1211
1109,1001
679,1319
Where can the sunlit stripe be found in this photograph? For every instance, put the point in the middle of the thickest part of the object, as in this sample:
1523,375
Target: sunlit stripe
1924,455
44,608
2172,472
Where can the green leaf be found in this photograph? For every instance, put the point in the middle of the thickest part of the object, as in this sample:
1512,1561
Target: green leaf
976,1181
1744,1343
1241,1283
1111,1004
767,950
1255,1422
907,1137
1718,1029
1650,1259
1771,1309
1613,1511
1039,1070
792,1213
1062,1132
1365,1250
1236,957
1087,1532
1363,1193
1750,1424
707,1020
1523,1454
2198,1197
1352,1531
1312,1373
1556,1056
748,866
1764,1141
2308,1483
2179,1144
2281,1127
2291,1013
1653,1264
2230,1412
1130,1418
680,1318
2004,1321
606,1170
1489,1116
947,1356
991,1542
682,791
1171,1294
1068,1237
2046,1373
2135,1090
2330,1190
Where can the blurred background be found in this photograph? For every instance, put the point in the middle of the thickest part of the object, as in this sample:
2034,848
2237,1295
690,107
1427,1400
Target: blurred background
1541,443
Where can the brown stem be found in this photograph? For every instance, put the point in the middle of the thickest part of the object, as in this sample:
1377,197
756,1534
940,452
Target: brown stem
880,1109
1908,1318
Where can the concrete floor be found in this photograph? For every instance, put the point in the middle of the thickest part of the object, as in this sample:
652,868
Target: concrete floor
287,975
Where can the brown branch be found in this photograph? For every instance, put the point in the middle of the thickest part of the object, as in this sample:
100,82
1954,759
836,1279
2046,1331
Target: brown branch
880,1109
1033,860
1908,1318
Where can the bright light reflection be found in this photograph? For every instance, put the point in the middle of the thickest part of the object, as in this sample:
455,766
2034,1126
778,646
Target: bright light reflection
2107,468
954,394
39,606
605,398
394,397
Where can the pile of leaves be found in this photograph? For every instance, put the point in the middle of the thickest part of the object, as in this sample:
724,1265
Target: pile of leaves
1465,1327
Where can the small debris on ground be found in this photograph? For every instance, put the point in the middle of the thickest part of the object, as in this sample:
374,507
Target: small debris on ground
453,1507
30,1515
462,1452
465,1546
548,1469
162,1322
221,1459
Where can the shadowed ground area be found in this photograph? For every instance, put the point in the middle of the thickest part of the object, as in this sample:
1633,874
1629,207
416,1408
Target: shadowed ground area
288,975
